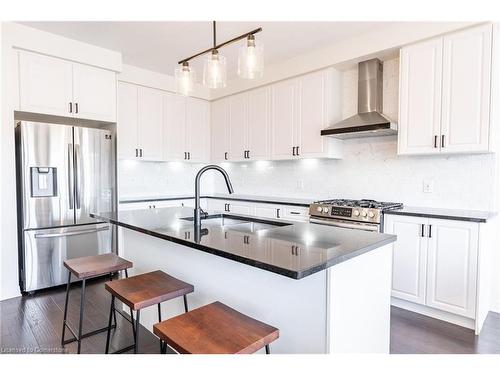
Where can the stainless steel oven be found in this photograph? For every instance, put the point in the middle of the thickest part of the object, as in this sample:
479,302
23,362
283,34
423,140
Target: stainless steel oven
353,214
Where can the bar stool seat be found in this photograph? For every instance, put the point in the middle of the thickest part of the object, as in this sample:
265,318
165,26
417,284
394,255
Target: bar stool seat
215,329
144,290
83,268
96,265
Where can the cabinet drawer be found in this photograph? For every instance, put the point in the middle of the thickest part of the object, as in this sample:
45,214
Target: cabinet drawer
296,213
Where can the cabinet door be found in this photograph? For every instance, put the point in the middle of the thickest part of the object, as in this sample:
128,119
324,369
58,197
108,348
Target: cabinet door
238,122
45,84
295,213
220,130
127,121
409,257
420,98
198,131
259,119
94,92
268,211
284,118
150,123
240,208
174,129
314,106
216,205
466,90
452,266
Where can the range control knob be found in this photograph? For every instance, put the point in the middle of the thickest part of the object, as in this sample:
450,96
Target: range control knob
325,209
371,214
356,212
363,213
319,209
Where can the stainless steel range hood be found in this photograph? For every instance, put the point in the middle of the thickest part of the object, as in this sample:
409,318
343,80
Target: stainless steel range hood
369,122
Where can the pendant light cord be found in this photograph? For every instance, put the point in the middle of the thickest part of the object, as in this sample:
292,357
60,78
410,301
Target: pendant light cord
215,40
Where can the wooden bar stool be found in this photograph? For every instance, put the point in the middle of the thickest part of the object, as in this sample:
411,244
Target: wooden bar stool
84,268
215,329
138,292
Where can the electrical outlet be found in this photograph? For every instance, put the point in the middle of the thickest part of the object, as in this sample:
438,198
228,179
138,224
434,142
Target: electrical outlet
428,186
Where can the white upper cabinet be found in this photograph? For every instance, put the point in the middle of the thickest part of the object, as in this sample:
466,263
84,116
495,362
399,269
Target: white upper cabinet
452,266
175,127
466,90
409,257
301,108
259,121
150,123
420,98
140,122
197,130
94,93
285,118
220,132
127,115
58,87
238,122
445,94
45,84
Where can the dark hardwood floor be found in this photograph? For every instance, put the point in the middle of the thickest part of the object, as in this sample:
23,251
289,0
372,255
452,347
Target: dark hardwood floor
32,324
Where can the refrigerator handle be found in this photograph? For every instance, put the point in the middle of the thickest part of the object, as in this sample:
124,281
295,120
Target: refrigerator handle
74,233
70,178
77,177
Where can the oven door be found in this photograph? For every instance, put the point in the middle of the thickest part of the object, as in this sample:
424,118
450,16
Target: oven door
371,227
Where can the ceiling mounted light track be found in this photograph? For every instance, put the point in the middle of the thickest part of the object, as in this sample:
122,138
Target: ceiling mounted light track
250,63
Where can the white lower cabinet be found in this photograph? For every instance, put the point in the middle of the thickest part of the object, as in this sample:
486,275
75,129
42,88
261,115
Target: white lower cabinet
268,211
435,262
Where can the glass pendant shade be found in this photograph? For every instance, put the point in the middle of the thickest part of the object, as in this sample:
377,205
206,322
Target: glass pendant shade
185,78
251,59
214,71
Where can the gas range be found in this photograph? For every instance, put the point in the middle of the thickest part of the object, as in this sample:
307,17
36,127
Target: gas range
358,214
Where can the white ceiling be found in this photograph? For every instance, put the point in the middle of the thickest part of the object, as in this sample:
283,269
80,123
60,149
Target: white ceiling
158,46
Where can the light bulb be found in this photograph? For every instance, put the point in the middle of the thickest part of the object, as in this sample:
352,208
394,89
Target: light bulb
184,79
214,71
251,59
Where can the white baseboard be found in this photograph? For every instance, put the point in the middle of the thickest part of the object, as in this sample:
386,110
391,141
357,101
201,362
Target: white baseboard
434,313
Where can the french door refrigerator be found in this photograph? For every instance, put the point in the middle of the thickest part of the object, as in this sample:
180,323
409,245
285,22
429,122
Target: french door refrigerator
64,173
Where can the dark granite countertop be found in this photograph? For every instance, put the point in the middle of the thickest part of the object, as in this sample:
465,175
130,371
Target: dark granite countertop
444,213
291,249
235,197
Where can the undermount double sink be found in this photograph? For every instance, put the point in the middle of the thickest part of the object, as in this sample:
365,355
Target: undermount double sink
238,223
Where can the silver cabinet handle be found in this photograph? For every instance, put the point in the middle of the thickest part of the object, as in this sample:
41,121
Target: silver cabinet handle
75,233
430,231
293,150
435,141
442,141
278,213
225,155
70,107
294,213
76,107
136,152
298,151
422,234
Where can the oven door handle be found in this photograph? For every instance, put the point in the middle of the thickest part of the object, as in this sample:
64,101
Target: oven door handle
344,224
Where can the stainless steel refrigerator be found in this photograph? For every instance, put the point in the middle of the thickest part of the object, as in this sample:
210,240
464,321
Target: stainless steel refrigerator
64,173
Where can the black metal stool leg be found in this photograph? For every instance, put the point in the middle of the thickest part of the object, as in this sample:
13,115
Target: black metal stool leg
159,320
136,333
82,306
111,310
66,308
114,311
185,303
267,350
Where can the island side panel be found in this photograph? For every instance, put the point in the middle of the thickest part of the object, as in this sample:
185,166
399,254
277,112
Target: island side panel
296,307
359,303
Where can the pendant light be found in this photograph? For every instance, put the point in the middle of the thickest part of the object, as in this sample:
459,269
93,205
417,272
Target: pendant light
185,78
214,67
250,63
251,59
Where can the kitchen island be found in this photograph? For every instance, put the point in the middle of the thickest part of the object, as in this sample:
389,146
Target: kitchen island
327,289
